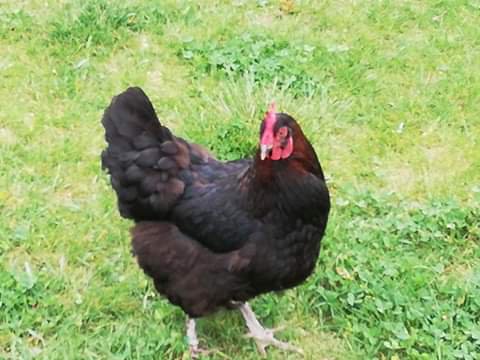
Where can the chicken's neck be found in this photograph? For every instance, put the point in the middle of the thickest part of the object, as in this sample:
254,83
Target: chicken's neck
270,185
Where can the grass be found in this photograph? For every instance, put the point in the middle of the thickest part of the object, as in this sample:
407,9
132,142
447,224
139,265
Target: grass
389,94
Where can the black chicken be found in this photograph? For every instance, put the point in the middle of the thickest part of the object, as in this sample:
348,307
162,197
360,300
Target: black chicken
214,234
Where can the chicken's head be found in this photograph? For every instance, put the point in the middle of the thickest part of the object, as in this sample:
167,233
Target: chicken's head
276,135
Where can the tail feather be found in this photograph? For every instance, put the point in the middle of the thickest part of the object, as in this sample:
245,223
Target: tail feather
142,157
132,112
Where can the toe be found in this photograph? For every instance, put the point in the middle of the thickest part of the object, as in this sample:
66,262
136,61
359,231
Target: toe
196,352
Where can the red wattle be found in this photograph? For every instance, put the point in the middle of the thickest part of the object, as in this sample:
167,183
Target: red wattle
276,153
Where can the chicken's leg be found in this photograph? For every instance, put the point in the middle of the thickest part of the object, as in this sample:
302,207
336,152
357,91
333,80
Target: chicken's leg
195,349
262,336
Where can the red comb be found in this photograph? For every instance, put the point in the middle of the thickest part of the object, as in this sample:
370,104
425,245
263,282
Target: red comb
270,118
272,108
270,115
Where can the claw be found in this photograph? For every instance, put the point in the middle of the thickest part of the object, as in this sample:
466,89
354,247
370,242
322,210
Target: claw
263,337
196,351
266,337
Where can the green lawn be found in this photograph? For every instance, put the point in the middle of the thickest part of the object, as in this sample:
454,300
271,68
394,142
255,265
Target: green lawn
389,94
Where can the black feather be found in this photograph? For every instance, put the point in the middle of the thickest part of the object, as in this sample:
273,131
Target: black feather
148,157
144,141
169,148
133,175
217,231
165,163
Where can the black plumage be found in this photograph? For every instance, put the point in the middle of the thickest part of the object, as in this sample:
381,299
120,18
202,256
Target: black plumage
211,232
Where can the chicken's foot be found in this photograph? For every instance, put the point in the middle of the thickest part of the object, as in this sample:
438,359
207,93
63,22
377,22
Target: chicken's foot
262,336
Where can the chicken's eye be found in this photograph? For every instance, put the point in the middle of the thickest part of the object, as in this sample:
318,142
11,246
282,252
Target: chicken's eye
283,132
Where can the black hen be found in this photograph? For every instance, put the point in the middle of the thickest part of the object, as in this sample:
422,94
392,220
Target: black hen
214,234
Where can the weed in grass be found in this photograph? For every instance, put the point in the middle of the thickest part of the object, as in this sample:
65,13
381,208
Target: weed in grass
99,26
15,24
389,283
268,61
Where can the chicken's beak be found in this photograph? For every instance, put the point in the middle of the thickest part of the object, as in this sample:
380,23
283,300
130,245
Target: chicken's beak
264,150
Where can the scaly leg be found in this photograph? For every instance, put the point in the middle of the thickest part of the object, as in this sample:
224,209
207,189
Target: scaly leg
195,349
263,337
